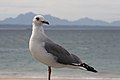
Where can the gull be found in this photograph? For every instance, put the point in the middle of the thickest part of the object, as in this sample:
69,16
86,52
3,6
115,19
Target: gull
49,52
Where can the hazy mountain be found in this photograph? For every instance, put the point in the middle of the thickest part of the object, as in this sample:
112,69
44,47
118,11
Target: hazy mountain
115,23
26,19
21,19
90,22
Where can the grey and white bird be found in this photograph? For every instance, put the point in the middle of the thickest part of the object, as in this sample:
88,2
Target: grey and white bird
49,52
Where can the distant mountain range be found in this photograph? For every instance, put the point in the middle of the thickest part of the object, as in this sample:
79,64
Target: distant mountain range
26,19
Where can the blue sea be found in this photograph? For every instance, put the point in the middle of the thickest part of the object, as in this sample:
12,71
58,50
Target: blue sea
98,48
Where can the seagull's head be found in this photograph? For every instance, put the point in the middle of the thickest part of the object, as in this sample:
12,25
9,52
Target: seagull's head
39,20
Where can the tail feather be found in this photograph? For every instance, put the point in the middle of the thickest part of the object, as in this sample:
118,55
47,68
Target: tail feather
89,68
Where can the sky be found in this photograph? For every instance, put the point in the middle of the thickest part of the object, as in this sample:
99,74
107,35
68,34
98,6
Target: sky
108,10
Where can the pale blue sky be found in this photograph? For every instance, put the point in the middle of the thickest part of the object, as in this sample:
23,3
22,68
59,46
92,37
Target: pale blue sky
108,10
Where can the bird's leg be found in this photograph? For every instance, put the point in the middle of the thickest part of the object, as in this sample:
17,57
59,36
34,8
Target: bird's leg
49,72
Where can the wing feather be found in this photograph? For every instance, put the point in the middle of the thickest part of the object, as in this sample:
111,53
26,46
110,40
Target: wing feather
62,55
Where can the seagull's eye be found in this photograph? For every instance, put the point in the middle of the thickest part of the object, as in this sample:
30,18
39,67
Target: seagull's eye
37,18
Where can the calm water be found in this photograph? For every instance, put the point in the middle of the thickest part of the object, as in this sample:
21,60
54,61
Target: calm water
99,48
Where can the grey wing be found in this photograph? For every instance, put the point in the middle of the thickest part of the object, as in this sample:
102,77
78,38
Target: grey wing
77,60
62,55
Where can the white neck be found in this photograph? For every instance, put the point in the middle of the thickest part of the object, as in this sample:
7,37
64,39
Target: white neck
38,33
38,29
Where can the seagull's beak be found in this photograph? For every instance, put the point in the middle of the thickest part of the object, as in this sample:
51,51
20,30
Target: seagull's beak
45,22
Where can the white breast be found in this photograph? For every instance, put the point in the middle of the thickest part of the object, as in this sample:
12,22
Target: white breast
36,46
40,53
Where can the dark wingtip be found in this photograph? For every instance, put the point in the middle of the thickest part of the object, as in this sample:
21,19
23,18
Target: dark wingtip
95,71
89,68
